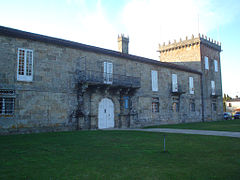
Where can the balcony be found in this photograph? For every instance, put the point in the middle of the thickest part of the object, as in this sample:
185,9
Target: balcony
177,91
115,80
215,94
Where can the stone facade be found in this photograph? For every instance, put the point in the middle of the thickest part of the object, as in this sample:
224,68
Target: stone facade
191,53
70,80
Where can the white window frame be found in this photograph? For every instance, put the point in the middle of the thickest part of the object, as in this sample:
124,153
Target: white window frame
215,65
206,62
24,76
108,72
154,80
174,83
213,88
191,85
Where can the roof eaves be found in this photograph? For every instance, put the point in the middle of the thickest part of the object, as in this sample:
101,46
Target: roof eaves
47,39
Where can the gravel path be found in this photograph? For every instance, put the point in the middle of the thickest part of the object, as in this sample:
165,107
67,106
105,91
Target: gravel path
186,131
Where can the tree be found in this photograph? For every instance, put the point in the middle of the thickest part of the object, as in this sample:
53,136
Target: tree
226,97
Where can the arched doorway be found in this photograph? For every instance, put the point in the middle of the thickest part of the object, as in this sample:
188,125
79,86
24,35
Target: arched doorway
105,114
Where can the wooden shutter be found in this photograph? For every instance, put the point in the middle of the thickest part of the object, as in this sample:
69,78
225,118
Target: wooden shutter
110,72
206,63
154,80
191,85
174,83
105,72
213,87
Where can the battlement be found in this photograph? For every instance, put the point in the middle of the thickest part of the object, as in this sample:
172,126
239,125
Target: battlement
190,41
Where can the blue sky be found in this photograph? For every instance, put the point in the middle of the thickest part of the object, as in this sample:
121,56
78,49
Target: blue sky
146,22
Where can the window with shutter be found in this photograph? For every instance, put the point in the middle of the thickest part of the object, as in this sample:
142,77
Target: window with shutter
206,62
174,83
191,86
108,72
154,80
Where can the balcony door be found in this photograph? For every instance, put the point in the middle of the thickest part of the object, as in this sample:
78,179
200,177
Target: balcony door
105,114
108,72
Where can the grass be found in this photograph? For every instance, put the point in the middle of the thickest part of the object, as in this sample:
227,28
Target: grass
118,155
226,125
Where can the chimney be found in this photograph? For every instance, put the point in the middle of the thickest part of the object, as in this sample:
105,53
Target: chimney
123,44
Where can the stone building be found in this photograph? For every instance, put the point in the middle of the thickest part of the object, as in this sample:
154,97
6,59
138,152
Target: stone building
233,105
203,55
51,84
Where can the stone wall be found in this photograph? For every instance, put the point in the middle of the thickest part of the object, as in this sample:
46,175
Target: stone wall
51,101
208,76
191,53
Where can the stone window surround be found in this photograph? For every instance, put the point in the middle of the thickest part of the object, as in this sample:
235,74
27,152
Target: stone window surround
155,104
175,104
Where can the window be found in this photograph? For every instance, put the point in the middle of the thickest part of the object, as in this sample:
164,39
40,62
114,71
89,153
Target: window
206,62
25,65
154,80
126,102
213,87
192,105
215,65
191,85
108,72
175,107
214,106
174,83
6,102
155,104
175,104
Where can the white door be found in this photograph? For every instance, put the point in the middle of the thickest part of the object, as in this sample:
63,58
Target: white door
105,114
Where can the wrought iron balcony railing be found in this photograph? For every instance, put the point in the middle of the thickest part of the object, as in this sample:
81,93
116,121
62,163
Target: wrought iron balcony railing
96,77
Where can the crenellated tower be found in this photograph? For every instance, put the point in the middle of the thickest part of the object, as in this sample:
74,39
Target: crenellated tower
202,54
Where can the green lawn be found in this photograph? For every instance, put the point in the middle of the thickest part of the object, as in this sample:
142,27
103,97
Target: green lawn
118,155
226,125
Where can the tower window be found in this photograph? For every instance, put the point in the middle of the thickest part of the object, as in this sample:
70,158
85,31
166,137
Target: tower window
206,63
215,65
